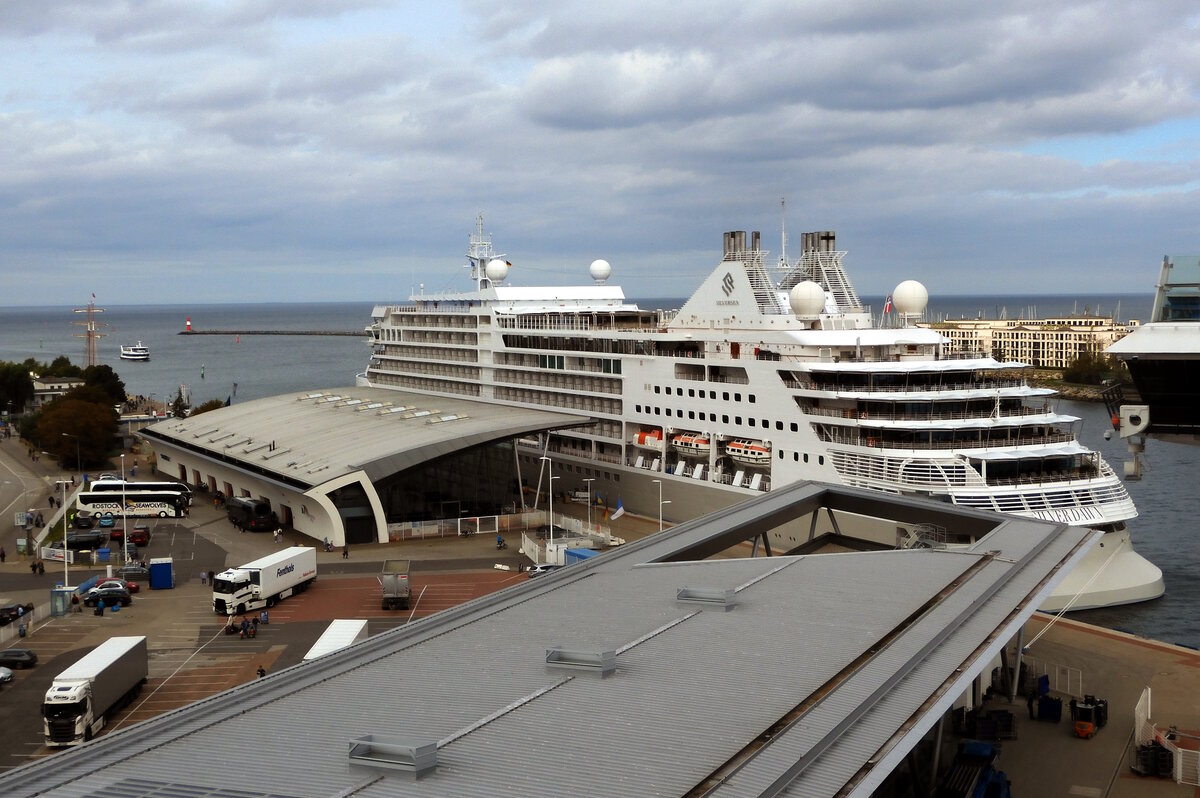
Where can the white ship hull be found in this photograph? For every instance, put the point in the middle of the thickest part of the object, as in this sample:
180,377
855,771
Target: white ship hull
831,398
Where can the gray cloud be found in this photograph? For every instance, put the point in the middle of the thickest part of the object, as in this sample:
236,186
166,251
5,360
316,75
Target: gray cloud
355,142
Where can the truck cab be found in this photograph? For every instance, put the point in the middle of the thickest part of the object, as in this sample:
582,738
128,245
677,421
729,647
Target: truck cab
68,712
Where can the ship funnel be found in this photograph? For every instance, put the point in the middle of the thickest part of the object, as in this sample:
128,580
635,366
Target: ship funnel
819,241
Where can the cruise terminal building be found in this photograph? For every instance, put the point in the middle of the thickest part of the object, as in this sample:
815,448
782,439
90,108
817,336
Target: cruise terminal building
344,463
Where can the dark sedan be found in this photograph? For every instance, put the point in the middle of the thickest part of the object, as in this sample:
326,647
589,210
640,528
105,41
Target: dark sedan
18,658
10,612
111,594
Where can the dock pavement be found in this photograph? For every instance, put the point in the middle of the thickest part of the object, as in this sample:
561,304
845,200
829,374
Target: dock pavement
1045,759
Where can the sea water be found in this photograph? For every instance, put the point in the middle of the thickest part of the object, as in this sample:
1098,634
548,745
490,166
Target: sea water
252,367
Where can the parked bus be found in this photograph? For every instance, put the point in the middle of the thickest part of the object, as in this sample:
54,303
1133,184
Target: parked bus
138,503
115,486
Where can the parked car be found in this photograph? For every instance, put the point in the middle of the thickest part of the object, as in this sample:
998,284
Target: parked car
542,568
132,587
117,534
18,658
10,611
86,539
140,536
111,595
134,572
6,675
107,522
82,521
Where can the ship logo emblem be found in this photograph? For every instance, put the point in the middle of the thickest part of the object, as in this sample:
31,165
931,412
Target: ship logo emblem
727,284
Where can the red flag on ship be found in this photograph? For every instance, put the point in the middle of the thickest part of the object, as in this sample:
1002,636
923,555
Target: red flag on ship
887,304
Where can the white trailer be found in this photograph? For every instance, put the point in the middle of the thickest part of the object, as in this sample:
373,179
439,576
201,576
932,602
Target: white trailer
339,634
265,581
85,696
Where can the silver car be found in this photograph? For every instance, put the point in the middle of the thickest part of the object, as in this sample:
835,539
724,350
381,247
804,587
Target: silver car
6,675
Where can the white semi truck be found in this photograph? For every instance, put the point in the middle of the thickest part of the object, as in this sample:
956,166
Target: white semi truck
265,581
85,696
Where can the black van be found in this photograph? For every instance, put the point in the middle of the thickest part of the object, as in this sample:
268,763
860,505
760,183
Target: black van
253,514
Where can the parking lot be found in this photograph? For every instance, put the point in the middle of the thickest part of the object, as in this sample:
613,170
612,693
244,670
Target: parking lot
190,654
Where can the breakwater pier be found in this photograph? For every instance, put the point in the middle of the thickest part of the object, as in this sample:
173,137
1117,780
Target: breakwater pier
356,333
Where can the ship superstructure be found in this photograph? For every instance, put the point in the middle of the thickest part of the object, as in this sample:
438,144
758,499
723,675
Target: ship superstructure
765,376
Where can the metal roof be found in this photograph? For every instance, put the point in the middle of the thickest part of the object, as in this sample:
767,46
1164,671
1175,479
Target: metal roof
306,439
814,674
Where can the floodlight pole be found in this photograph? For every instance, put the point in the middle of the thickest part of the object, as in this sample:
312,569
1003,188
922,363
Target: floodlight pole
124,523
589,481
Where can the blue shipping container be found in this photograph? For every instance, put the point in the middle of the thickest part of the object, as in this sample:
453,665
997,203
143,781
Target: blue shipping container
578,555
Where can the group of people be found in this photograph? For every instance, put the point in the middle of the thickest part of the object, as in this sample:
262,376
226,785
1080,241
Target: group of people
36,567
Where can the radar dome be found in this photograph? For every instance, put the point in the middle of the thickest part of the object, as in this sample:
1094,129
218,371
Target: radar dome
600,270
497,269
910,297
807,299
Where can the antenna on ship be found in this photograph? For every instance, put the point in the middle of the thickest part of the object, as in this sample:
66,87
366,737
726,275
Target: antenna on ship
783,261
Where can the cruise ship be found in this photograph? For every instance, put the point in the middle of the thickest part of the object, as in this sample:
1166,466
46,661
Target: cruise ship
767,375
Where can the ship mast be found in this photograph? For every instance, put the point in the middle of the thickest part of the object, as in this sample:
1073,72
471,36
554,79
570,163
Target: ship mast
479,252
91,327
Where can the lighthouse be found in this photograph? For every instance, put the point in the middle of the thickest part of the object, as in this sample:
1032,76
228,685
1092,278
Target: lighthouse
189,323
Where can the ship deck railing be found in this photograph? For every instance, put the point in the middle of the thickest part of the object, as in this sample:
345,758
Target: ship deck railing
871,415
974,385
874,442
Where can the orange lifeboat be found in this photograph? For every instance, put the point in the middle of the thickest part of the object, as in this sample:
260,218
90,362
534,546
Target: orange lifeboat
692,445
649,439
751,453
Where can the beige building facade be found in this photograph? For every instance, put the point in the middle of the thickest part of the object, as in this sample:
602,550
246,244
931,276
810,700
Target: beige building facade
1051,343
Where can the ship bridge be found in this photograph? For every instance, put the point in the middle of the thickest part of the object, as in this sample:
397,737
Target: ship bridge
345,463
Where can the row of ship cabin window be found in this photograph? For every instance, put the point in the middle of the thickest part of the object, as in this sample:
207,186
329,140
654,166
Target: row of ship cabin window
737,397
691,414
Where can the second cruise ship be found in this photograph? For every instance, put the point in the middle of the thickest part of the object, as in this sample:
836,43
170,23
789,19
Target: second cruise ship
769,374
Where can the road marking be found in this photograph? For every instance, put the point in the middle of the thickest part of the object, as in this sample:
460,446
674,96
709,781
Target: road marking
117,725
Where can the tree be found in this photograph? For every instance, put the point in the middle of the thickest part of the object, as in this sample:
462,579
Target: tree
104,377
204,407
73,428
179,405
16,387
61,366
1088,369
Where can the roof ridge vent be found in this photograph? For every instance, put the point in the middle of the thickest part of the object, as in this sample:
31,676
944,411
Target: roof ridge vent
375,751
724,598
602,662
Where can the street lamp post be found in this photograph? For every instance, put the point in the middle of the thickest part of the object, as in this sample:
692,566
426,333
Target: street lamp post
66,552
550,481
124,523
589,481
78,460
660,504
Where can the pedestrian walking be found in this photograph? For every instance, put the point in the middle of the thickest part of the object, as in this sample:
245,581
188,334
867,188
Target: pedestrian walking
41,568
278,533
345,552
261,671
204,577
2,555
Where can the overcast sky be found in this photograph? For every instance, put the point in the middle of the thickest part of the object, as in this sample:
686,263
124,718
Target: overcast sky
293,150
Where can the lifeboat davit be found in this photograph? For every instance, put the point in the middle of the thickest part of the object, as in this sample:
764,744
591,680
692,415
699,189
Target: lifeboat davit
692,445
751,453
649,439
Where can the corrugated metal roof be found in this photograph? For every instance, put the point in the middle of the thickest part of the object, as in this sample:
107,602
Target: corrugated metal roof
855,646
306,439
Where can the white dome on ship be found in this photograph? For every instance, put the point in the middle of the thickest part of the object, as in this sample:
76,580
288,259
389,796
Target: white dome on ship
600,270
496,270
807,299
910,297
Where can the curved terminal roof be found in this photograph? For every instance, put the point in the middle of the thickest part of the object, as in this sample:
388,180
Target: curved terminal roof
306,439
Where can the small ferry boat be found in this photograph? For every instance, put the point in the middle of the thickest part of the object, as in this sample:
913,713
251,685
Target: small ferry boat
692,445
751,453
138,351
